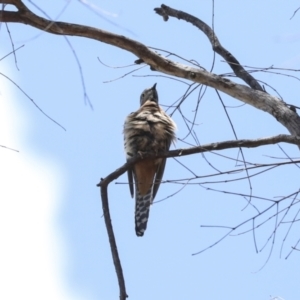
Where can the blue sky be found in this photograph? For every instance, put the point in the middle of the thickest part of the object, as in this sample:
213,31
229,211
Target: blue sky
55,242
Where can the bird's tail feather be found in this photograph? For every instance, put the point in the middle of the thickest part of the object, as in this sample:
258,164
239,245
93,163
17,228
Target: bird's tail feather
142,207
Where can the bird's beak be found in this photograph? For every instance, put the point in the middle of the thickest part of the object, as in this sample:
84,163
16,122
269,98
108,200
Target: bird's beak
154,86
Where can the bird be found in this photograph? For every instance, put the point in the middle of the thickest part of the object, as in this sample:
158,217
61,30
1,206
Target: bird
149,129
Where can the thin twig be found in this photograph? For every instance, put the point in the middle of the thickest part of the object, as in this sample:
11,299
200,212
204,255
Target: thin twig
33,102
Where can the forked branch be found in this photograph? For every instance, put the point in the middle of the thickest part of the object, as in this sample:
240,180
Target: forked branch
255,97
166,11
103,184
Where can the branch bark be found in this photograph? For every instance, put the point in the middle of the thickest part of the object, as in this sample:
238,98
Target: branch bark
166,11
254,97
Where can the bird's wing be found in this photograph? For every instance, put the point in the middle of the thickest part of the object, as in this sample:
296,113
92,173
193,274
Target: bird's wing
158,177
130,181
165,146
128,147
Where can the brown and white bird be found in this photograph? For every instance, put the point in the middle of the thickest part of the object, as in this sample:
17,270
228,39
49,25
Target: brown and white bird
149,129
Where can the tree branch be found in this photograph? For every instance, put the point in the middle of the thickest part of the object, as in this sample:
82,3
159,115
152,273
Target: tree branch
17,3
260,100
253,96
103,184
239,71
112,240
245,143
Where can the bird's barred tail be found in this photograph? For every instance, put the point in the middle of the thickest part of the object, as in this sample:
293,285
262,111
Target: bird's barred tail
142,207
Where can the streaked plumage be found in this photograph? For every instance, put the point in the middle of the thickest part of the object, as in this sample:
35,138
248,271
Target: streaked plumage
149,129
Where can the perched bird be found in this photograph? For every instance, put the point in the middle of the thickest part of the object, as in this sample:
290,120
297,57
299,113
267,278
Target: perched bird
149,129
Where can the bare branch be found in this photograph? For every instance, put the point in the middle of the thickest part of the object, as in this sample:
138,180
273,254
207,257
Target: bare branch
9,148
217,47
13,2
261,100
103,184
281,138
112,240
294,13
51,119
253,95
13,46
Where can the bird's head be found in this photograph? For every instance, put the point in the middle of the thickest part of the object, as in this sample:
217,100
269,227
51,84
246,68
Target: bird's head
149,94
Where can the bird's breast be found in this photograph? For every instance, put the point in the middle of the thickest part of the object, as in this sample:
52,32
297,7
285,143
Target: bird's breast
148,130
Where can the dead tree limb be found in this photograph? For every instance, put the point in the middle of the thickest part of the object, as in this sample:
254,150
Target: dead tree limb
103,184
166,11
260,100
245,143
112,241
253,95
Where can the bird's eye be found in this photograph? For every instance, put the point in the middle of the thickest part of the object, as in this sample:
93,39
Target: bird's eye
143,95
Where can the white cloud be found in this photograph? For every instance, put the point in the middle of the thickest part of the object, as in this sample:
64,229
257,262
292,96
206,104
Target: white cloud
31,252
